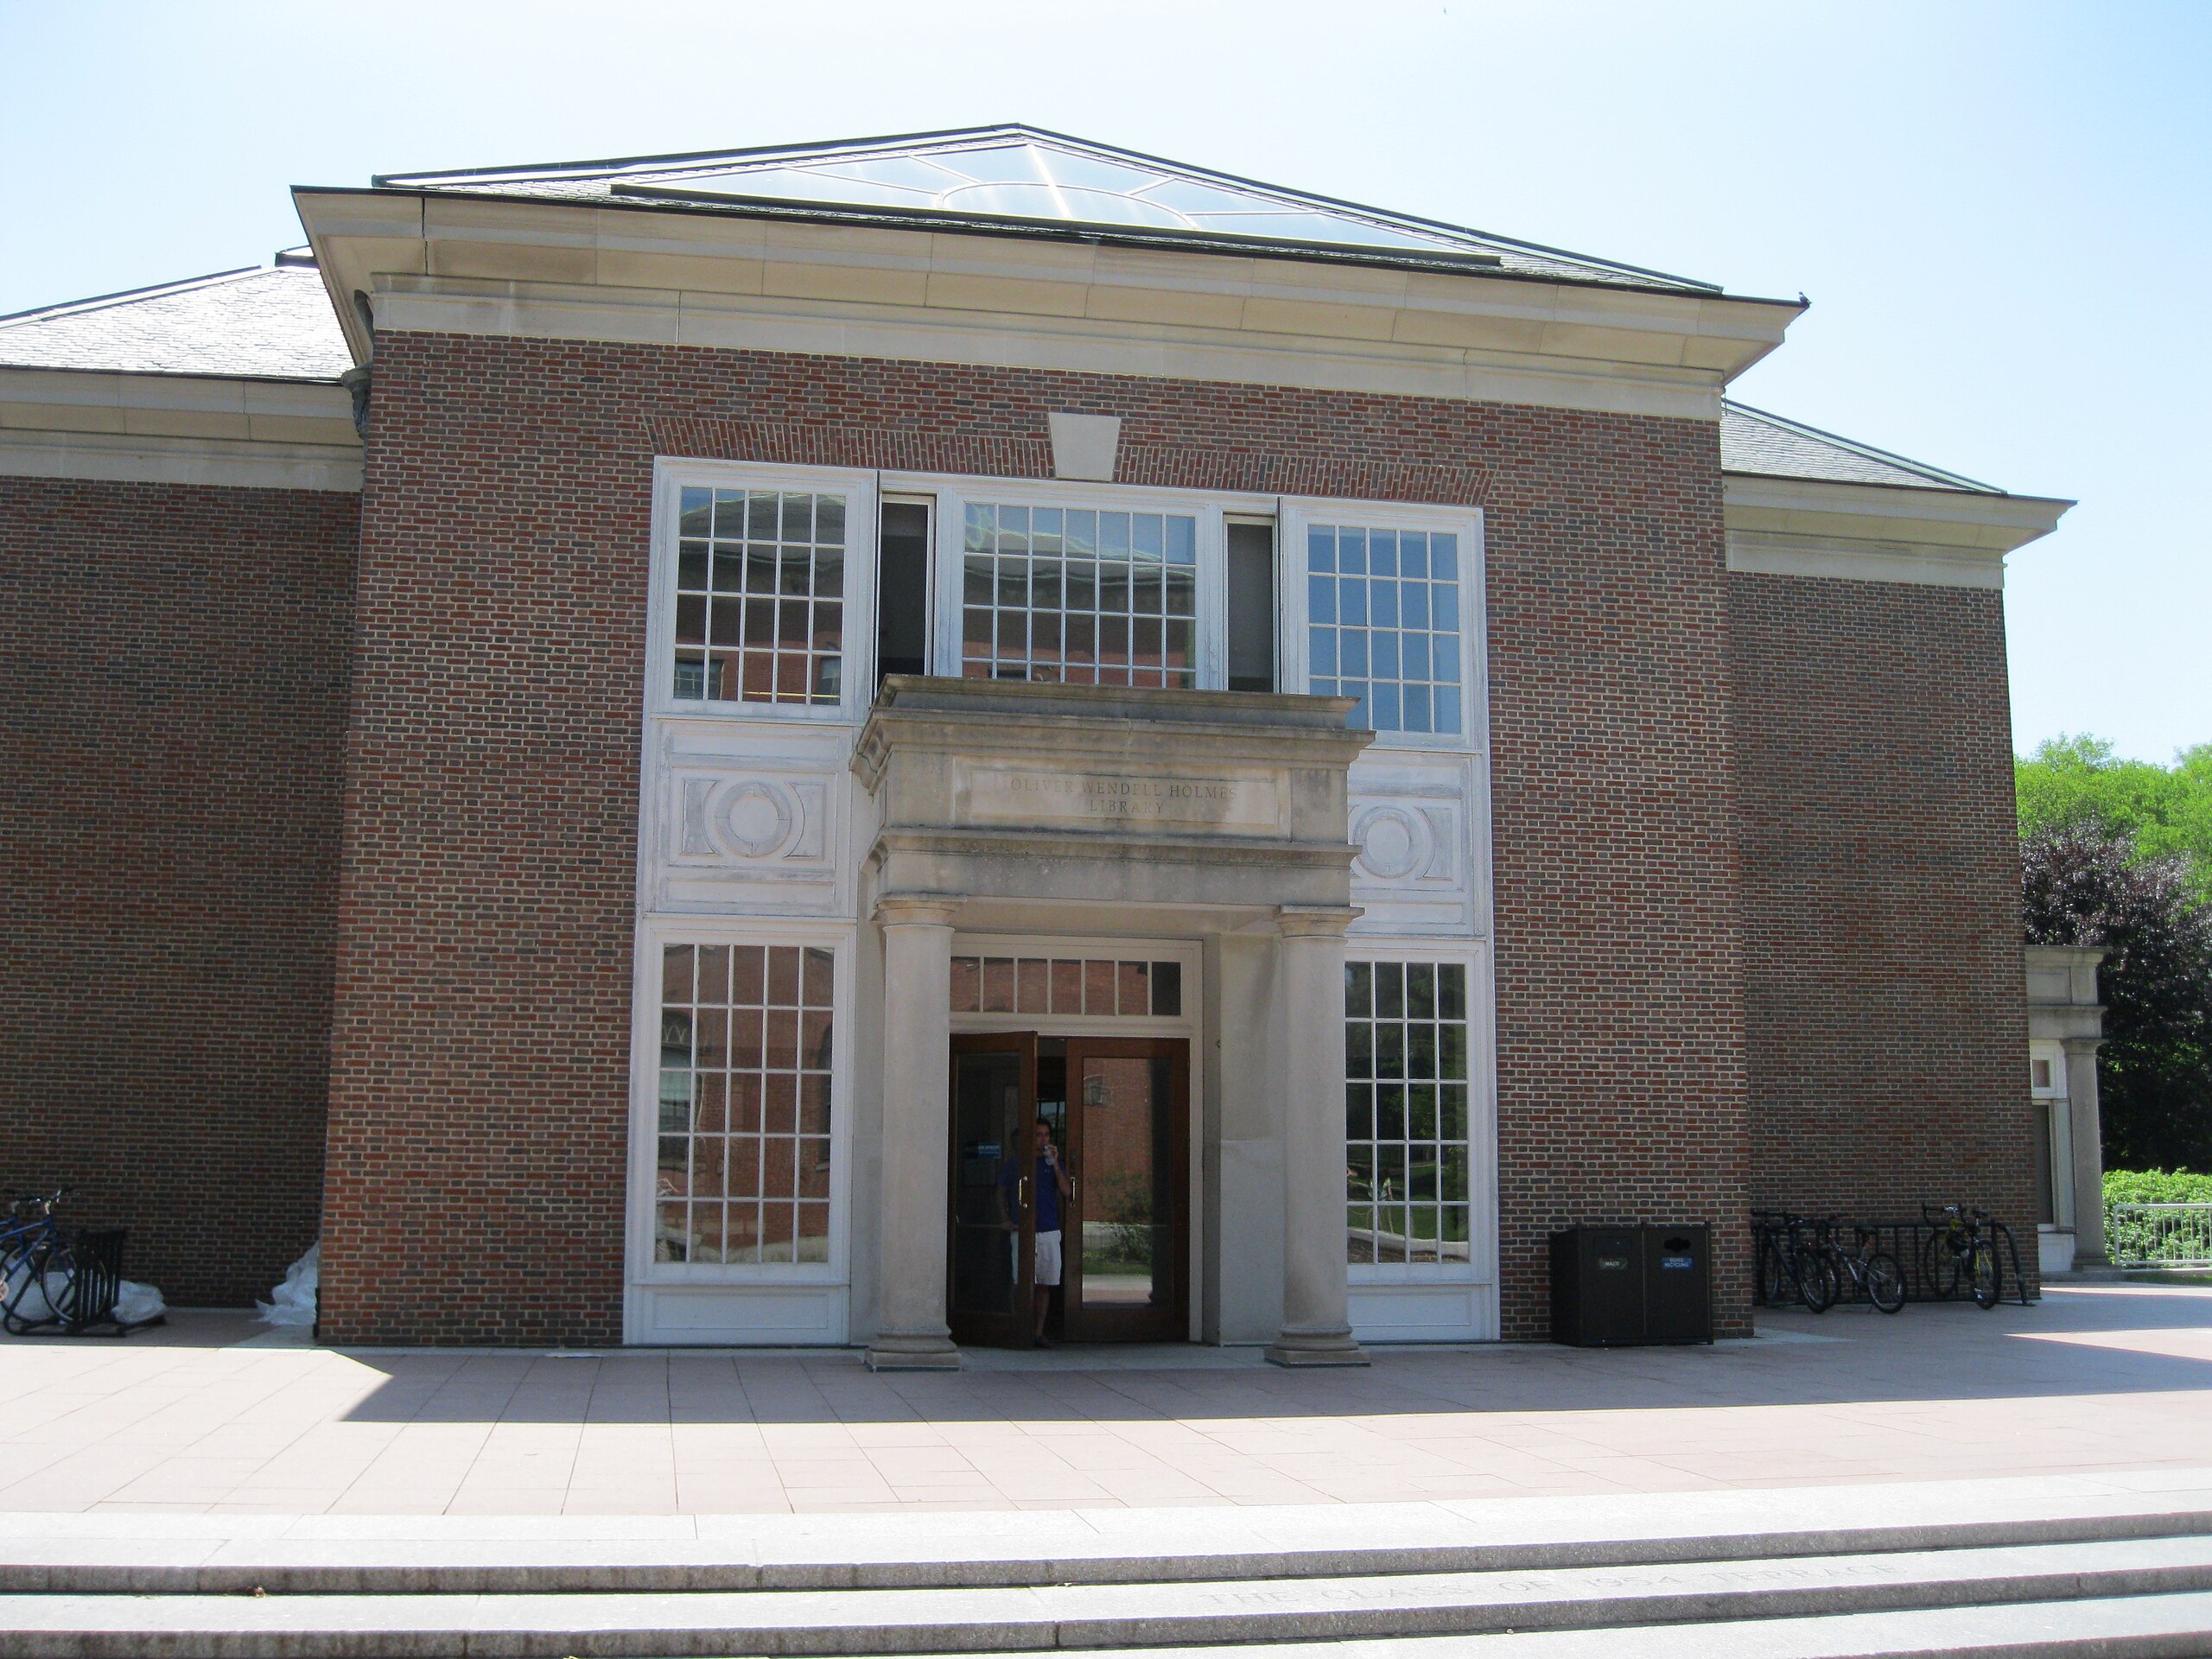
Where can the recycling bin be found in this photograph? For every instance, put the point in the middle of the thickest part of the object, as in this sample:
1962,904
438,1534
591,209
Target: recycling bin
1677,1263
1621,1285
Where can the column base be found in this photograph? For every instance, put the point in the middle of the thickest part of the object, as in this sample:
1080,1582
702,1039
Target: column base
902,1353
1335,1348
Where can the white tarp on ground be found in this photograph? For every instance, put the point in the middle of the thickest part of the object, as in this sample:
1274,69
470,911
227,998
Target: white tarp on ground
293,1301
27,1298
135,1303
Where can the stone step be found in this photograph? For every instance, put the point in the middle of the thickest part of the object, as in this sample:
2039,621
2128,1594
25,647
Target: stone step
2144,1627
1109,1617
182,1555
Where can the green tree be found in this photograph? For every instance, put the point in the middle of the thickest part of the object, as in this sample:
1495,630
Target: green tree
2078,784
2080,887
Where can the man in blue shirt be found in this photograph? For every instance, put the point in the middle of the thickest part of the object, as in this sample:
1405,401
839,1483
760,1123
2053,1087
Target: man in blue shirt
1053,1188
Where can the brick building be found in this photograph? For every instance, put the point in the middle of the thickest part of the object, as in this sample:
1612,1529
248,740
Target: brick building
606,738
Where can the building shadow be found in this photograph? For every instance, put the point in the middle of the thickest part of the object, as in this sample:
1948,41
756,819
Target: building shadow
2126,1340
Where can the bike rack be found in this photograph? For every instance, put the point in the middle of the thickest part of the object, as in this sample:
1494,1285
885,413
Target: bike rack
1906,1241
95,1281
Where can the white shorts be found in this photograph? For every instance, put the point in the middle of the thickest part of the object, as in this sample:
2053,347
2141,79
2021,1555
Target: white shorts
1048,1259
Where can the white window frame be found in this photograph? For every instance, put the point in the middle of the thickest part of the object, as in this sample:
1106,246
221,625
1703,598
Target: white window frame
1481,1266
856,671
1293,673
1209,508
654,933
887,497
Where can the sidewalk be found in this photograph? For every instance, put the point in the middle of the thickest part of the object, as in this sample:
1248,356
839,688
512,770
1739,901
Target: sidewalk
2096,1378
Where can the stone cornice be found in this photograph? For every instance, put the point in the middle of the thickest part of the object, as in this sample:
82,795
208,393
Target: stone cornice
169,429
1876,532
569,270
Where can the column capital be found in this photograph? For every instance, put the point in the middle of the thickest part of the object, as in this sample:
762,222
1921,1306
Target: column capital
1315,921
916,909
2076,1047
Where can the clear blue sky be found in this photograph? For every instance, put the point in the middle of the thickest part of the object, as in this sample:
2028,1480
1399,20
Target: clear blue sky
1999,211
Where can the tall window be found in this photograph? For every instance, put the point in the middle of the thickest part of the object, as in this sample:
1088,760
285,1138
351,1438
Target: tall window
760,596
1382,609
1087,597
744,1165
1405,1133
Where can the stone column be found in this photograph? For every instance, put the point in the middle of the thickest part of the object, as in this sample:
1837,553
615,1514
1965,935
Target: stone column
2088,1152
911,1333
1316,1326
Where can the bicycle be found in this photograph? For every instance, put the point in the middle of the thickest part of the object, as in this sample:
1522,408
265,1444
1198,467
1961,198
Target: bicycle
38,1275
1960,1247
1787,1261
1874,1273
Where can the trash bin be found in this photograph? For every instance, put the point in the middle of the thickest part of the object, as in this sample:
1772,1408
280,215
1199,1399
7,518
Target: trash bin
1597,1286
1620,1285
1677,1283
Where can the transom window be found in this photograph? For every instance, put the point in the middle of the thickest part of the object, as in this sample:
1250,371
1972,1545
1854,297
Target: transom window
1382,615
1406,1126
1043,985
1087,597
759,596
745,1149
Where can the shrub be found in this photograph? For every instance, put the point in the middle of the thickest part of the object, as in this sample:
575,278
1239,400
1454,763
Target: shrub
2184,1237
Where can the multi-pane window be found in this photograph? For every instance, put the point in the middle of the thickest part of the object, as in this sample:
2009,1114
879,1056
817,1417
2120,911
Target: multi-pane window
1040,985
759,596
1382,613
1405,1133
744,1155
1091,597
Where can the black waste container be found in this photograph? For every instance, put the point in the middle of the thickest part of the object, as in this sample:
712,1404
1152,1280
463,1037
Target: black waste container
1597,1286
1677,1283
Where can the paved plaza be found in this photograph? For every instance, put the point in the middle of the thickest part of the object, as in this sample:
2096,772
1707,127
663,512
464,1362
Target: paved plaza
216,1414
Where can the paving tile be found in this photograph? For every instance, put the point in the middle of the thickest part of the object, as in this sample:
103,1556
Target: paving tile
2106,1382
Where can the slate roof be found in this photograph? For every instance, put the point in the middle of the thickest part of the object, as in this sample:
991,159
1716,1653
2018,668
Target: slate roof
1015,179
260,323
1752,441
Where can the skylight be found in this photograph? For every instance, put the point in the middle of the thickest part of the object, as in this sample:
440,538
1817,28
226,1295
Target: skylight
1026,179
1015,176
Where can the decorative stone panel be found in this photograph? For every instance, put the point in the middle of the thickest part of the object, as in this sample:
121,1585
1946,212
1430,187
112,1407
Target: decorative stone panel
1414,819
751,820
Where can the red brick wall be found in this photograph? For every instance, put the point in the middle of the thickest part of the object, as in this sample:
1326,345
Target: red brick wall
1888,1047
482,1027
172,704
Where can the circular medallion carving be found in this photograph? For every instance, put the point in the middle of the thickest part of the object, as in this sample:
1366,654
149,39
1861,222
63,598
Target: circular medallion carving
755,818
1390,841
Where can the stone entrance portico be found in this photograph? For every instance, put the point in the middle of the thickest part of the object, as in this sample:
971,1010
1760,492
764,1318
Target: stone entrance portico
1071,810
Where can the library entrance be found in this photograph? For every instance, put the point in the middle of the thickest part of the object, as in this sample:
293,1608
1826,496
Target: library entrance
1069,1196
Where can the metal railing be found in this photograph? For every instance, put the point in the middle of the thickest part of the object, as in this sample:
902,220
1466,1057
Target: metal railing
2159,1235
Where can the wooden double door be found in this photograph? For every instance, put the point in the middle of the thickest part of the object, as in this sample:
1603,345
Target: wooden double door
1115,1112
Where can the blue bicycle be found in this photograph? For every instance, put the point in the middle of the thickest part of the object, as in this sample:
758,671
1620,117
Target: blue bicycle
38,1274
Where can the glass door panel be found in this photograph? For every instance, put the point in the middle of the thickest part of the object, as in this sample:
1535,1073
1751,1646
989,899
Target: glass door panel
990,1252
1127,1238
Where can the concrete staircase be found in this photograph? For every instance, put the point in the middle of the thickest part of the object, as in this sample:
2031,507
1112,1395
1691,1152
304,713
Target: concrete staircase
2011,1568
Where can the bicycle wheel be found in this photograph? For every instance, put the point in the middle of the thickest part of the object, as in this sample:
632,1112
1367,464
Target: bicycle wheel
43,1291
1988,1274
1816,1289
1774,1281
1942,1270
1884,1282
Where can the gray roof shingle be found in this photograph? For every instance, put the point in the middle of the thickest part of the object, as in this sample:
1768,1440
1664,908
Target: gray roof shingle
1752,441
259,324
